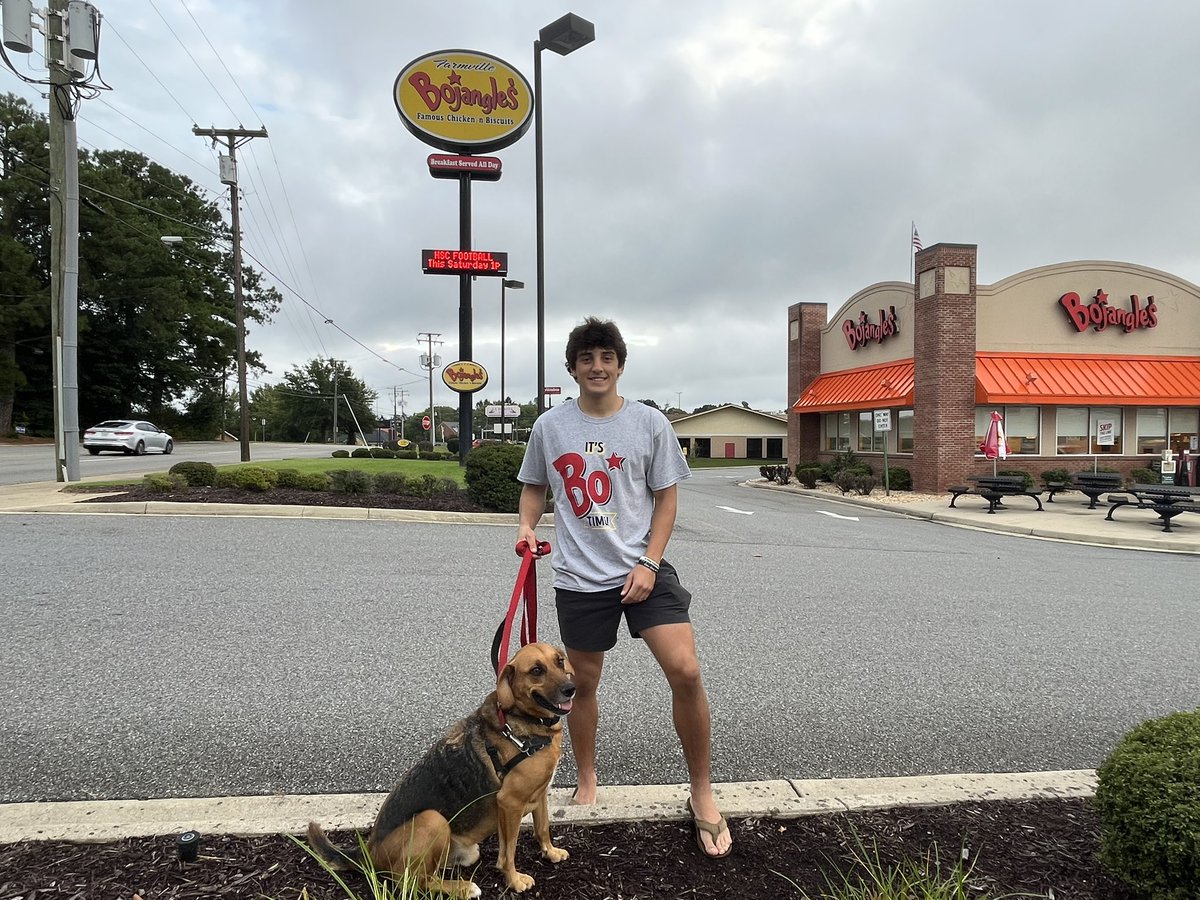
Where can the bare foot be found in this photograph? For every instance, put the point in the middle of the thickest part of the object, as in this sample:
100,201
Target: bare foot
585,792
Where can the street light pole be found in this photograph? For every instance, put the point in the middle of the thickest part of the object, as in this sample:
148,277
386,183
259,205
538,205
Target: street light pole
516,286
563,36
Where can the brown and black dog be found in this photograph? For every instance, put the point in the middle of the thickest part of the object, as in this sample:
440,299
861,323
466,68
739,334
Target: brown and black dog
479,779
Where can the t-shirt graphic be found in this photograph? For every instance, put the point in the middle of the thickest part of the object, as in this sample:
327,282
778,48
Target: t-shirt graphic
588,492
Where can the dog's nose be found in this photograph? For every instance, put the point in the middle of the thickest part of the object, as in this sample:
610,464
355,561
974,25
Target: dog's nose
568,690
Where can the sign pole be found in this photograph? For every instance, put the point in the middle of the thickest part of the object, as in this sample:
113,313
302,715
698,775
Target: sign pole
883,423
464,315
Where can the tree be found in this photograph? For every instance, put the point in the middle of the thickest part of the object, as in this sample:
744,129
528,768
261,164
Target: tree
301,406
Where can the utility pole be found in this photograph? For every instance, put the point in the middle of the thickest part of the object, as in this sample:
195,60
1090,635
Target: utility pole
397,390
234,138
431,362
335,374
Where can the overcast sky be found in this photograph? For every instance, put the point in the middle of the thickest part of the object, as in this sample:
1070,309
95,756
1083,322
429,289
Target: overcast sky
707,164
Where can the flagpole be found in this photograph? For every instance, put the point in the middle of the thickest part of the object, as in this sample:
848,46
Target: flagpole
912,251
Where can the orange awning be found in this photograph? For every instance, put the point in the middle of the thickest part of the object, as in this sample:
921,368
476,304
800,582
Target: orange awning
871,387
1057,380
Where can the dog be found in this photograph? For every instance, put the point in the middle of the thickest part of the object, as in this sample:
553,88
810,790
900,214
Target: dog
484,774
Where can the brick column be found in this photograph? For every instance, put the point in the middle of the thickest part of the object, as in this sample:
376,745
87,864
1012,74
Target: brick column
944,366
805,321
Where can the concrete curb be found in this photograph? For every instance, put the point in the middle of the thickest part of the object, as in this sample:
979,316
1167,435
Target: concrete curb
108,820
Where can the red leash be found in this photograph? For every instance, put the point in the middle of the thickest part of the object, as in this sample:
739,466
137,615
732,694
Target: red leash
524,598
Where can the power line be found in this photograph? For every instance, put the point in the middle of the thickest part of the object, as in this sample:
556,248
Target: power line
194,62
112,28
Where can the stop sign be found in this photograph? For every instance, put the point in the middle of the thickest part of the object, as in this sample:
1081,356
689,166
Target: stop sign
425,422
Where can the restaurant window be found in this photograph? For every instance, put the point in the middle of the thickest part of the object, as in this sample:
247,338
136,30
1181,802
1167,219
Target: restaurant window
1021,427
869,440
1088,430
838,432
1151,429
904,433
1184,430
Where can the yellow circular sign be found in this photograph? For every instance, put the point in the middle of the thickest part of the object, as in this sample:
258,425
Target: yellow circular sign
464,376
464,101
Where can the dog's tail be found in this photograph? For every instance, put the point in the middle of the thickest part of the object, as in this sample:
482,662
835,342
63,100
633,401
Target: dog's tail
336,859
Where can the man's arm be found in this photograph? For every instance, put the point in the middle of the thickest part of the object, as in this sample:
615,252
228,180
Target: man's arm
640,581
529,511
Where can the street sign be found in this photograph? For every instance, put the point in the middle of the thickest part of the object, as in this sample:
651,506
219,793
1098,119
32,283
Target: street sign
464,376
883,420
484,168
464,262
553,390
425,422
510,411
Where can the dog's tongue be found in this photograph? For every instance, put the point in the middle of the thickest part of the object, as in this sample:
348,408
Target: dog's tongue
565,708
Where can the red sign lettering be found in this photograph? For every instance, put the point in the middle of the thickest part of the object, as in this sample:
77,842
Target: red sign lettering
1098,315
860,332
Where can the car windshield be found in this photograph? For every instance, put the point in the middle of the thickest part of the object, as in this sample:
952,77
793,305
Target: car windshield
113,423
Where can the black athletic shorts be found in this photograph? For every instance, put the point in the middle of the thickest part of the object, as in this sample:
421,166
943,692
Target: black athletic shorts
588,620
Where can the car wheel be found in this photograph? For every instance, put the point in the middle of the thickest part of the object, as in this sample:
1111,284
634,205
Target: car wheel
140,449
167,449
93,451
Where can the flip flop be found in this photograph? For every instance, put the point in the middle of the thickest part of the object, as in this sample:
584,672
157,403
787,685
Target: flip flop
714,829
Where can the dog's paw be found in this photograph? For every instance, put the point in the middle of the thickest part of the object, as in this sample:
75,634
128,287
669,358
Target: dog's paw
465,855
556,854
520,882
476,891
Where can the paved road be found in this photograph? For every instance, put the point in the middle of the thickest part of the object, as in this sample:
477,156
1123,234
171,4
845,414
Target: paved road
151,656
23,463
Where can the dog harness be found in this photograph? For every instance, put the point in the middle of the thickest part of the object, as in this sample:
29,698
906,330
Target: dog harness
525,749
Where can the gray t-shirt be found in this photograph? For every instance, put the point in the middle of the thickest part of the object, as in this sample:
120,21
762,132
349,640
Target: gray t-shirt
603,473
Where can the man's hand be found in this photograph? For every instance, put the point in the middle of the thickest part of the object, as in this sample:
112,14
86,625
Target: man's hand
638,585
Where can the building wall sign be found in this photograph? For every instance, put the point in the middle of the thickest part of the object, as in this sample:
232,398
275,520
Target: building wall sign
859,334
463,101
1098,315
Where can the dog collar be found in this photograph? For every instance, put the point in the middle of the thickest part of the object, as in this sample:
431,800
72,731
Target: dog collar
544,722
525,749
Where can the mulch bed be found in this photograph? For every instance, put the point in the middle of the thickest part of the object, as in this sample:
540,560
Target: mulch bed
1043,848
287,497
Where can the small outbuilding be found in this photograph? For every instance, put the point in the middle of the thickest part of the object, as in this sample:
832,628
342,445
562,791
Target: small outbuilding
732,432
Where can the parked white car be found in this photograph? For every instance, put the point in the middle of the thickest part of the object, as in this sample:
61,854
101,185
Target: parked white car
127,436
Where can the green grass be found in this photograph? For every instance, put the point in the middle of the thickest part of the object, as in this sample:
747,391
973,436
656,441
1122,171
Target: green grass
697,462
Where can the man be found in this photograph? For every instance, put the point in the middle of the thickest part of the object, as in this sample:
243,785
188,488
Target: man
614,466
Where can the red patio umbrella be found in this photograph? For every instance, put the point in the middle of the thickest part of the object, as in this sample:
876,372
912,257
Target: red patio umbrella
994,445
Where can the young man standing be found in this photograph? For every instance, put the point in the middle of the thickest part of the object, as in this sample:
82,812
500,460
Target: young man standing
613,466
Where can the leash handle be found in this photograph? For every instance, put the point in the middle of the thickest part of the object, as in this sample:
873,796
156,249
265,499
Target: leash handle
524,598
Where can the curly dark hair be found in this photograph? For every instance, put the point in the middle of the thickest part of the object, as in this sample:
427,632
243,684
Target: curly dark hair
595,334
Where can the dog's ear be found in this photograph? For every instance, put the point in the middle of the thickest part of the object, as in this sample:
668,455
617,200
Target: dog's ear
504,690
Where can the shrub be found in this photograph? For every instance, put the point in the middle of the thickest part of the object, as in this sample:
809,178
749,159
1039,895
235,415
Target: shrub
165,482
807,476
391,483
1026,478
899,478
1145,476
341,454
289,478
1148,800
197,474
350,481
1056,475
783,474
845,481
424,447
767,472
361,453
864,484
492,476
407,454
846,460
252,478
452,446
382,453
316,481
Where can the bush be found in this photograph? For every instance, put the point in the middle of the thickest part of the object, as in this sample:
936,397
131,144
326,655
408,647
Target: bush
341,454
1056,475
391,483
864,484
845,481
1148,800
407,454
165,482
1145,476
1026,478
432,486
899,478
350,481
807,475
289,478
452,446
424,447
847,459
254,478
492,476
361,453
382,453
197,474
316,481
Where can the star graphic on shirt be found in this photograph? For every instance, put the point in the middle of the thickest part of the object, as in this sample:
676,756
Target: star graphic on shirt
614,461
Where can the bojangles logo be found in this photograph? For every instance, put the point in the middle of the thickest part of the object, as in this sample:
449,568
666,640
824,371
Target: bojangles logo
1098,315
588,491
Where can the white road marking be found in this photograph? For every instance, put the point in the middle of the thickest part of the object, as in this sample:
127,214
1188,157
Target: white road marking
740,512
836,516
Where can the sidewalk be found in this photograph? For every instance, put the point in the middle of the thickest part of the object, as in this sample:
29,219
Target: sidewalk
1067,519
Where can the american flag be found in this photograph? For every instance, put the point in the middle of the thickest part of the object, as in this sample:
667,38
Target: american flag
917,245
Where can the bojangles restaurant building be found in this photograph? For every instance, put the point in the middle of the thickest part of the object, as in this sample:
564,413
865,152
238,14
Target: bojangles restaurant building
1087,362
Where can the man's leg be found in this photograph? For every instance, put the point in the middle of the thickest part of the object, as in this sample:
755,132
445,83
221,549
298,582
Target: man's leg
584,720
675,649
